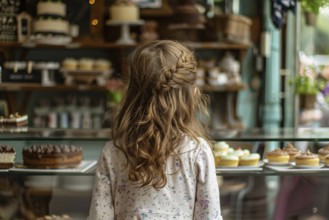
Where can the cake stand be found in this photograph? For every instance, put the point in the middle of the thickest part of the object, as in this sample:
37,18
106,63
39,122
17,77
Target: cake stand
125,30
47,71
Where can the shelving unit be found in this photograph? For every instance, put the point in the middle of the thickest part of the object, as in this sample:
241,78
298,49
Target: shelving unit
227,93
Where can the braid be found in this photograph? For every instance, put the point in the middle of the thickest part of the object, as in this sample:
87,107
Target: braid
183,73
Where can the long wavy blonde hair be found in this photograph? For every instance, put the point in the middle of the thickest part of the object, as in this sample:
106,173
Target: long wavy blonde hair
159,106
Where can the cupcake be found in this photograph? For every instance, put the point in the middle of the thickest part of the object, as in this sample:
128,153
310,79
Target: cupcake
323,152
86,64
102,65
70,64
292,151
250,160
307,159
229,161
240,153
326,160
218,156
221,146
278,156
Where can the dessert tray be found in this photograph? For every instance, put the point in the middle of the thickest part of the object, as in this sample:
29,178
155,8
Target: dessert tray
86,76
52,40
259,167
299,169
84,166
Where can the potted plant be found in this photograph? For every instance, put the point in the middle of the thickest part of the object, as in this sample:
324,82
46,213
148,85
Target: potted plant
307,85
311,8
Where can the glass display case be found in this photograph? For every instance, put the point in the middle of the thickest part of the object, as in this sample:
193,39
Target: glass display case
246,193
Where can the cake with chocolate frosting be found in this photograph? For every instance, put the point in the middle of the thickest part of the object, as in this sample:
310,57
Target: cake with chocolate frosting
14,120
307,159
7,156
187,15
52,156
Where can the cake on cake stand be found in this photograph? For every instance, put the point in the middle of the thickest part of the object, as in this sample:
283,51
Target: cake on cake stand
47,72
125,30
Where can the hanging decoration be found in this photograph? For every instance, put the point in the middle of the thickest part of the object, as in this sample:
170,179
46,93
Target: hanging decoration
279,9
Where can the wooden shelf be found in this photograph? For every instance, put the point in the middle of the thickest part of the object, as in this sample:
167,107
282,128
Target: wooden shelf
108,45
217,45
39,87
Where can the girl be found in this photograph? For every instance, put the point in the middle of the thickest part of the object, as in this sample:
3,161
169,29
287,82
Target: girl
158,164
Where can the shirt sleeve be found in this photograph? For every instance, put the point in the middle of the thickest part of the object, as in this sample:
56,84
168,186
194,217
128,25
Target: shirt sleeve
102,199
207,204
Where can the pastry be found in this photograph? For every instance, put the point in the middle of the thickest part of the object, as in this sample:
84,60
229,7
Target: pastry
307,159
102,65
326,160
14,120
86,64
240,153
250,160
221,146
70,64
229,161
323,152
52,156
278,156
292,151
7,156
218,156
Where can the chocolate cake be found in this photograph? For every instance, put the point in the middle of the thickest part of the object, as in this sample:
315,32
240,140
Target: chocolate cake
186,15
52,156
7,156
14,120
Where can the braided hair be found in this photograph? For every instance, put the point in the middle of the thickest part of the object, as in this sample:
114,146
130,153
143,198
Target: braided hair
158,109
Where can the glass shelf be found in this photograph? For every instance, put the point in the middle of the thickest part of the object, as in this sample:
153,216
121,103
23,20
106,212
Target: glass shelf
265,172
254,134
23,133
282,134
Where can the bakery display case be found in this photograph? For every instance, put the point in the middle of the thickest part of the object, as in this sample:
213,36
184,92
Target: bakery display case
30,192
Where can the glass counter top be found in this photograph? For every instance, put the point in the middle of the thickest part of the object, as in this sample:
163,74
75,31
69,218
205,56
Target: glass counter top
24,133
281,134
253,134
264,172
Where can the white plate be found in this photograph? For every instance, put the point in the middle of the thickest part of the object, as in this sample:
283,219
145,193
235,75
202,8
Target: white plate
308,167
277,164
4,170
292,169
241,168
83,167
52,40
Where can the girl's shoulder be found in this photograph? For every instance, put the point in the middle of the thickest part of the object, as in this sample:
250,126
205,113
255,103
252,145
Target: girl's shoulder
110,149
190,144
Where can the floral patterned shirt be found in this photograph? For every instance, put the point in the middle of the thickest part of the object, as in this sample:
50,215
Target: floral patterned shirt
190,193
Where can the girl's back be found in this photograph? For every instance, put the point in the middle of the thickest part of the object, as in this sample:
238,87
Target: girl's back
177,200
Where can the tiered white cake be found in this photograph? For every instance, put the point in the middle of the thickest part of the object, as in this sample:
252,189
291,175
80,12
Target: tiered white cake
51,19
